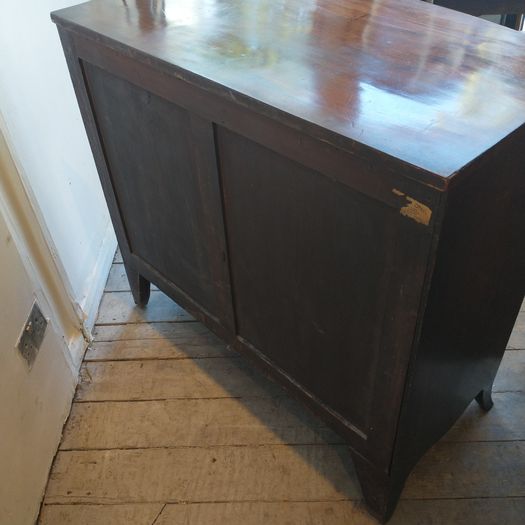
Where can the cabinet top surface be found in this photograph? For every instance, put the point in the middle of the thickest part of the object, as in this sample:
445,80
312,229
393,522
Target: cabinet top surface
424,84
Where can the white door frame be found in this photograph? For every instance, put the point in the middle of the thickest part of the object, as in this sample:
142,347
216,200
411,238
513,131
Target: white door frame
36,247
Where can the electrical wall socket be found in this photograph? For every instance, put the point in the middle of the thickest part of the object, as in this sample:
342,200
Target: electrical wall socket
32,335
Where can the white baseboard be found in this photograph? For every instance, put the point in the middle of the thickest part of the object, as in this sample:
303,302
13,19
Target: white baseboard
98,278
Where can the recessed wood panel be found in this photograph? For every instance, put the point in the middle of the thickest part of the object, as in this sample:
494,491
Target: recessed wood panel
150,147
310,269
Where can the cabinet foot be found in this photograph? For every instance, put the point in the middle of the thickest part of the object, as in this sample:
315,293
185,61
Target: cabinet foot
380,491
484,398
140,287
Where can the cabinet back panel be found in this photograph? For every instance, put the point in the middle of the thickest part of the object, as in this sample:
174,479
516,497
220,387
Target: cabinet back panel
148,146
310,268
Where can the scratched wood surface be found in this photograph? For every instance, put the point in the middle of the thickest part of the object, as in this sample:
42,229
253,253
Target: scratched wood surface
169,427
430,65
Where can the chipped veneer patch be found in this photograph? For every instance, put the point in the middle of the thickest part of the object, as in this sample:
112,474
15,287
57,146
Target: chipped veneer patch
414,209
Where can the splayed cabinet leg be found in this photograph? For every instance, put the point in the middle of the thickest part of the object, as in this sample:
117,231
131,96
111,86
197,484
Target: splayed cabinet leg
484,398
140,287
380,491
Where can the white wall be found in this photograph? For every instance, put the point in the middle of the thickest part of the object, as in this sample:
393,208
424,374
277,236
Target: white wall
48,142
56,245
33,403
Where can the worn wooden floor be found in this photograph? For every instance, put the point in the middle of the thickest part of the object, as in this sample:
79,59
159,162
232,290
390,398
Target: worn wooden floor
170,427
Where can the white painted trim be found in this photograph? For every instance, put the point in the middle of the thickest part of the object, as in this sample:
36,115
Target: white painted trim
97,283
40,254
99,276
42,265
74,320
42,396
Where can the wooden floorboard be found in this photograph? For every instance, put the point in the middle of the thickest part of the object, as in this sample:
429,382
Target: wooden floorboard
511,373
193,422
119,308
275,473
191,333
517,339
224,377
506,422
469,470
197,474
118,280
433,512
272,420
144,514
504,511
136,349
170,427
211,378
118,257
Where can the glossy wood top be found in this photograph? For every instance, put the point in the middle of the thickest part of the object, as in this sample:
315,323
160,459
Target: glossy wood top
427,85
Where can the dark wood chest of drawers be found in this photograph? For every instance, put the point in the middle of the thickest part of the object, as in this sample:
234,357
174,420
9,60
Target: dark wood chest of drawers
337,189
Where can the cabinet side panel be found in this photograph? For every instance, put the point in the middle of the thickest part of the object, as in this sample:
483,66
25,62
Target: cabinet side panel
476,292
